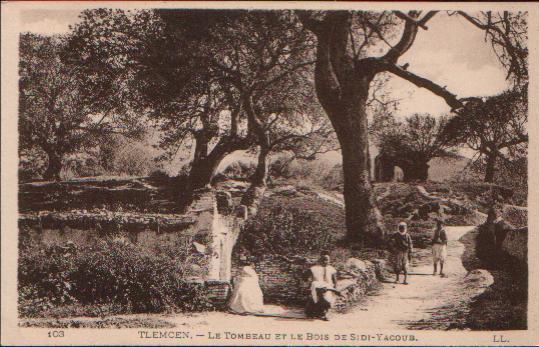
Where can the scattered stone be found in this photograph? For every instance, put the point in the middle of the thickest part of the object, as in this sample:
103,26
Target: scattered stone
200,248
354,263
479,278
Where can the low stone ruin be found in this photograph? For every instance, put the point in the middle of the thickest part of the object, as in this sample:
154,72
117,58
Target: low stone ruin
285,279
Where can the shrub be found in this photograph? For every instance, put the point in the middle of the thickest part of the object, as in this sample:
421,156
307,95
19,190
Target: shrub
515,215
44,279
317,173
334,179
122,156
287,226
80,165
111,272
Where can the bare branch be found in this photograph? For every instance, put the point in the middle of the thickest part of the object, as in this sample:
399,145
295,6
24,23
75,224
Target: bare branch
421,82
420,23
408,35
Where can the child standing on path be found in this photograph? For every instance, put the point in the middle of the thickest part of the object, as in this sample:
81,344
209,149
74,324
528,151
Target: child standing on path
439,247
401,247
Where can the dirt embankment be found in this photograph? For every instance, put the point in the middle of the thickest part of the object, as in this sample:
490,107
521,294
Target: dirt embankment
503,306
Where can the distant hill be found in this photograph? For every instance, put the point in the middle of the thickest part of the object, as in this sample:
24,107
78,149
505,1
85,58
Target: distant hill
441,169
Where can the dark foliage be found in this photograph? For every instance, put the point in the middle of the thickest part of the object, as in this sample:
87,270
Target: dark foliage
289,226
111,272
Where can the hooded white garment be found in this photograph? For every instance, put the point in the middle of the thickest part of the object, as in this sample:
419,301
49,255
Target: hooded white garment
247,296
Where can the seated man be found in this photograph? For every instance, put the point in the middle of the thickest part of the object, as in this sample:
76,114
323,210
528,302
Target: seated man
323,282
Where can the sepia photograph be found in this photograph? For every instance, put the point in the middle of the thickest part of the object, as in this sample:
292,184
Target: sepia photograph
276,174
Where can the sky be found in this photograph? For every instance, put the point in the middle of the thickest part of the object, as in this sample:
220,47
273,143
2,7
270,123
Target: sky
452,53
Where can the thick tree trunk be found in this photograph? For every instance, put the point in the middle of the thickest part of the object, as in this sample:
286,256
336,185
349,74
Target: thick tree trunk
251,198
202,171
204,165
349,118
54,167
342,87
201,167
491,168
362,218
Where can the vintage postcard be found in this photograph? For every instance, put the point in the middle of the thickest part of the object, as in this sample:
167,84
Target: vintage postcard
269,173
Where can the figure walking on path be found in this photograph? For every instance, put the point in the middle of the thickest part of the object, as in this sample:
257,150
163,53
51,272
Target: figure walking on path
323,282
439,247
401,249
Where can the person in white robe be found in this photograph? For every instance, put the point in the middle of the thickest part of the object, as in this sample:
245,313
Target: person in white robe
247,295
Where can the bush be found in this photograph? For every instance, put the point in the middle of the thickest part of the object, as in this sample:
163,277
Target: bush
307,172
334,179
80,165
289,226
122,156
111,273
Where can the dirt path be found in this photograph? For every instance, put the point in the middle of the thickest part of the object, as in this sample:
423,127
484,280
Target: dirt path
396,307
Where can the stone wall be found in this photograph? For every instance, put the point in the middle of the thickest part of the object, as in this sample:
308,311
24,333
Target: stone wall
281,279
357,280
218,292
284,280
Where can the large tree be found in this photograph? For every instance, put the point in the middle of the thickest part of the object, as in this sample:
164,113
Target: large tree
346,65
292,121
260,61
266,56
59,111
183,82
167,55
496,129
203,75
